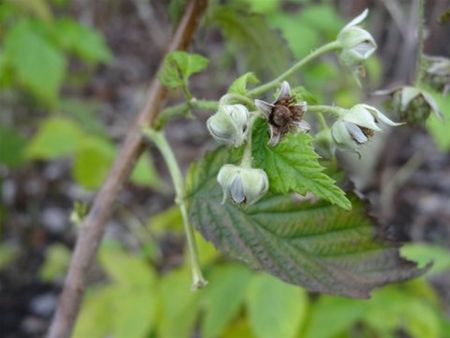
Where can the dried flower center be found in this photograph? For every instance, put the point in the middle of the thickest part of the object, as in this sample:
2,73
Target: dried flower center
285,113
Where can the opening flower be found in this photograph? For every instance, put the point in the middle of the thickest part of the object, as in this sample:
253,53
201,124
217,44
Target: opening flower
229,125
357,126
437,73
284,114
412,104
242,185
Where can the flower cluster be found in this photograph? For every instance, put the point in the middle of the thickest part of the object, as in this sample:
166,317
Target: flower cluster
232,123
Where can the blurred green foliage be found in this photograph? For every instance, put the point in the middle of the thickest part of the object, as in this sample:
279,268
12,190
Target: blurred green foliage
35,50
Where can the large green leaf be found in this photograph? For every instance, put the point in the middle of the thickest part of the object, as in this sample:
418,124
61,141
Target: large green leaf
275,309
316,245
293,166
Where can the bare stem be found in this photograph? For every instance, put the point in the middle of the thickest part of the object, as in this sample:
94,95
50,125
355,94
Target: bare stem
313,55
93,226
319,109
160,141
420,37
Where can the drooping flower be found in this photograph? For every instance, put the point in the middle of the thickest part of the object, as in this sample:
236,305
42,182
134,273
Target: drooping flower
357,45
437,73
411,104
242,185
284,114
229,125
357,126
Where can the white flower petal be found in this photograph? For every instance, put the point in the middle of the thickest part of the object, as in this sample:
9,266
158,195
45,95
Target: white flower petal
434,106
275,136
360,116
237,190
285,90
264,107
303,126
379,116
360,18
407,95
356,133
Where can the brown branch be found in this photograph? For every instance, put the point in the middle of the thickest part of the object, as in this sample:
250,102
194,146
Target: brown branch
93,226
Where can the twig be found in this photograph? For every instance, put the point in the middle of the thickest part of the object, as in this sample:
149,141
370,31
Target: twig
93,226
420,37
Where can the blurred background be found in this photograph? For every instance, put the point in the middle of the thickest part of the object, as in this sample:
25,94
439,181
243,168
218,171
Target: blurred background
74,73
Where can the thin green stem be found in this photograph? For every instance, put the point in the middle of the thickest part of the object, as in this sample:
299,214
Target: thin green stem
333,110
247,156
323,123
183,109
158,138
232,98
335,45
420,36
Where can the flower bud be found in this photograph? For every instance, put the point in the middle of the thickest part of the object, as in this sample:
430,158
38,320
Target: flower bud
229,125
242,185
324,144
357,44
412,104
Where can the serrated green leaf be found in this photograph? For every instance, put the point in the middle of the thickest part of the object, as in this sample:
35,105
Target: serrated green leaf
179,66
223,298
275,309
316,245
239,86
293,166
55,137
39,66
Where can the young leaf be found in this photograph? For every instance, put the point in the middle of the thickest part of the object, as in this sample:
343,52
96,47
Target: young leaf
239,86
316,245
179,66
275,309
293,166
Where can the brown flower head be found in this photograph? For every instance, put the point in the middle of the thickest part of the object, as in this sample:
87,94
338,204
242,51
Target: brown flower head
284,114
